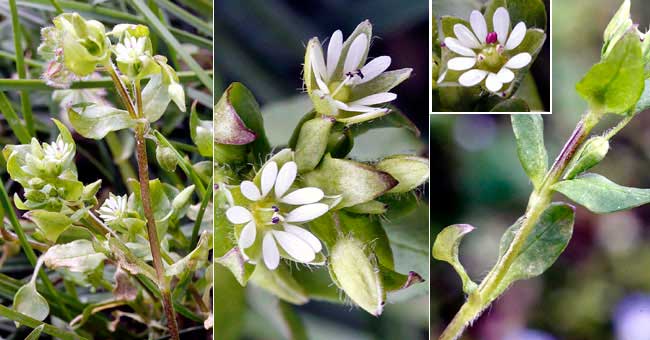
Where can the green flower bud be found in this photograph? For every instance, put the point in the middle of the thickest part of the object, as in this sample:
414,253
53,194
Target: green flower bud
591,153
166,158
312,142
409,171
177,94
358,275
617,27
83,43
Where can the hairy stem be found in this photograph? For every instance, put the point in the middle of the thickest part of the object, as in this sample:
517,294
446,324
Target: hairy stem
537,203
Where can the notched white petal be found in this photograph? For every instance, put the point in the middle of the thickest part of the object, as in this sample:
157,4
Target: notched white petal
501,23
296,247
238,215
247,236
505,75
461,63
516,36
270,252
355,53
269,173
455,46
307,212
492,82
373,69
334,52
465,36
477,21
472,77
306,236
519,61
286,176
303,196
250,191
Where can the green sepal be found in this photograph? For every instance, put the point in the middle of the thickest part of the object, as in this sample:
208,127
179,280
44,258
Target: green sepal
409,171
280,283
312,142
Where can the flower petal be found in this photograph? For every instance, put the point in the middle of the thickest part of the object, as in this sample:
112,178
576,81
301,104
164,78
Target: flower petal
492,82
519,61
334,52
355,108
306,236
247,236
373,69
250,190
377,98
307,212
286,176
296,247
465,36
270,252
458,48
501,22
472,77
355,53
479,26
516,36
303,196
461,63
269,173
505,75
238,215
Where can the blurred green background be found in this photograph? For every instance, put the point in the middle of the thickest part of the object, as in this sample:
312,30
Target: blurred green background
261,43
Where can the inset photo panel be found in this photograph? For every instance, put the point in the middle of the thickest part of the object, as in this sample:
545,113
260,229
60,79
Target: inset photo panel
490,56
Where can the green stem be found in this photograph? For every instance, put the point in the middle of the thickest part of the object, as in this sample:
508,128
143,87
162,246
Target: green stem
57,7
537,203
33,323
199,217
20,67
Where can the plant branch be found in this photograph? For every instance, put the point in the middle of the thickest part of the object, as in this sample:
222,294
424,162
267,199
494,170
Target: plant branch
537,203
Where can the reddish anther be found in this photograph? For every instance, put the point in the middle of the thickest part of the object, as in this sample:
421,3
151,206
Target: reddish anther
491,38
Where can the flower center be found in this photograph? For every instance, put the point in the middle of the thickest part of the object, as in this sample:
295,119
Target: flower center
340,93
490,59
266,213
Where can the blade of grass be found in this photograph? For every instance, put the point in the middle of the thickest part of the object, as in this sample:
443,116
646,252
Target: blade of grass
113,16
27,248
171,41
20,67
100,83
199,217
13,120
33,323
30,62
179,12
57,7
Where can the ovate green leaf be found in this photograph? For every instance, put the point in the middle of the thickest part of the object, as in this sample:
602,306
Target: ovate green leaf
29,302
529,133
52,224
602,196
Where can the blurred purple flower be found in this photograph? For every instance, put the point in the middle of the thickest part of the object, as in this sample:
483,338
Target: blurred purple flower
632,318
529,334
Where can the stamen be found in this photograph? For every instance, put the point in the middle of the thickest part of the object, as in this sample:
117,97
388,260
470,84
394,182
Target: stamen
275,220
275,208
491,38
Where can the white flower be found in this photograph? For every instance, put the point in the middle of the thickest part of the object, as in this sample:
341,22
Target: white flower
57,152
267,213
131,51
355,72
485,55
113,209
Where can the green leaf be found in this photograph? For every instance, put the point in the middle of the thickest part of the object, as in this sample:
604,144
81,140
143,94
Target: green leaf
409,171
229,316
35,333
600,195
529,133
312,142
317,283
531,12
280,283
295,328
190,262
240,269
511,105
356,182
543,246
29,302
394,281
52,224
95,121
615,84
644,101
445,248
78,256
155,98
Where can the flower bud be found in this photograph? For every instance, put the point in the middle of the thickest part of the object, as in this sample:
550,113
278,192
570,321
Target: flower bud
166,158
83,43
591,153
312,142
177,94
617,27
354,272
409,171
